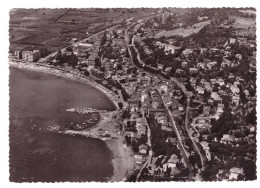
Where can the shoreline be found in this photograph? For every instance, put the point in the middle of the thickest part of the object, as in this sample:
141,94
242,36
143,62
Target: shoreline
56,72
122,161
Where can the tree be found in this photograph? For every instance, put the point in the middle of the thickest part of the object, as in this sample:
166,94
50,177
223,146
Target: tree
59,56
249,169
206,94
69,49
251,117
132,178
120,105
86,73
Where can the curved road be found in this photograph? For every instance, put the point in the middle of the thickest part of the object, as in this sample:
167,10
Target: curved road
189,95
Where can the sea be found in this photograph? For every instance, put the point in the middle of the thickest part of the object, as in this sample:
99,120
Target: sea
38,103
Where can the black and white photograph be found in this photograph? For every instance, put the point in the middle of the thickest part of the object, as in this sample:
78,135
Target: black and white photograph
161,94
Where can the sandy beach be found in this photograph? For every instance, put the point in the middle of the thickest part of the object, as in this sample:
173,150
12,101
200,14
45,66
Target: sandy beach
107,129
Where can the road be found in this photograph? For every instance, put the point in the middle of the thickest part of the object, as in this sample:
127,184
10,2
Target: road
173,124
44,59
189,95
189,132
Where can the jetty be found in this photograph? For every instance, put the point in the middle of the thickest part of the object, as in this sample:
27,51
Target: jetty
84,110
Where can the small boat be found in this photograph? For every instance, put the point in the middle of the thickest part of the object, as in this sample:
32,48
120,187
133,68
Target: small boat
71,110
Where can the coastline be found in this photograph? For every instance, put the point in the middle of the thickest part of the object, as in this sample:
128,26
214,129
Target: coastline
31,66
123,161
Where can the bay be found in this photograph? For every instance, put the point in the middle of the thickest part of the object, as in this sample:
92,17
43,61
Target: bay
39,101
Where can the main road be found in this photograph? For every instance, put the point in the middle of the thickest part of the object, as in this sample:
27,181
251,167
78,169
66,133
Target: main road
176,130
44,59
189,95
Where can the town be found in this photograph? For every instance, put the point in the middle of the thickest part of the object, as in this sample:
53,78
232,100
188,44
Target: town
185,85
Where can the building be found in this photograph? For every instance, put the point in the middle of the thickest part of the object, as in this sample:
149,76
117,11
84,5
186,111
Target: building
138,159
92,59
140,126
143,149
167,100
193,70
206,111
173,161
234,172
81,49
25,55
163,88
228,138
163,120
34,55
97,73
31,56
18,54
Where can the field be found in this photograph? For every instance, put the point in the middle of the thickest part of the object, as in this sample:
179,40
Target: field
244,26
53,28
241,22
182,31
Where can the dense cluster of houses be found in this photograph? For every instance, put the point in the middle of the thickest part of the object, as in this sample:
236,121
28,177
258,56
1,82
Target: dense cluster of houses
210,93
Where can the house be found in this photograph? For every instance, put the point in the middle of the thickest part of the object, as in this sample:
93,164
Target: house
211,64
18,54
234,89
228,138
206,111
144,95
138,159
207,86
31,56
220,107
163,87
97,73
234,172
174,172
134,116
215,96
220,82
235,99
200,65
193,82
168,69
167,100
179,71
155,104
172,140
141,125
143,149
193,70
162,120
129,133
200,90
167,128
92,59
160,66
173,161
171,49
184,64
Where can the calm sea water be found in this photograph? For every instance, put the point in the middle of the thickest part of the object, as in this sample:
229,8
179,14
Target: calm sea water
39,101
